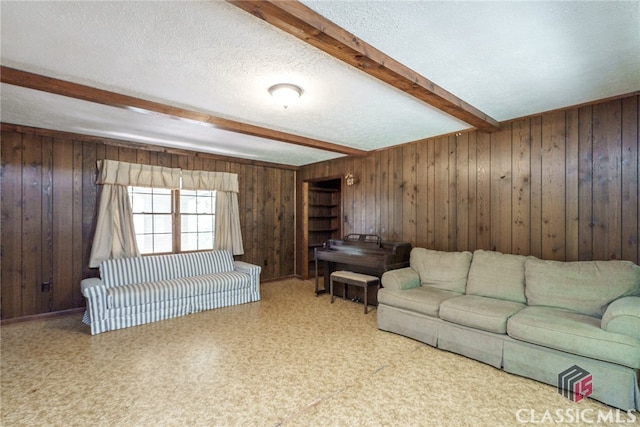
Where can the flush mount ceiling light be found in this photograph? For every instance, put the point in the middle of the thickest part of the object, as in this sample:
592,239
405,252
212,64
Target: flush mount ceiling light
285,93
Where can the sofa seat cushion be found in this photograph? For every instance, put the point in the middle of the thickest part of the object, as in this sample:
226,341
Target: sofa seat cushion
175,289
488,314
497,275
423,299
573,333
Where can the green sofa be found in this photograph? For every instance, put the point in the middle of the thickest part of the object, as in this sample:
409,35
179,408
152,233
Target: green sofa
528,316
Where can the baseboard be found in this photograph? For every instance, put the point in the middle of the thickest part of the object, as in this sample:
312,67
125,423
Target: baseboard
42,316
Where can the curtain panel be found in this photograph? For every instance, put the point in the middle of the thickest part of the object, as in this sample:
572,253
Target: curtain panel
115,236
228,234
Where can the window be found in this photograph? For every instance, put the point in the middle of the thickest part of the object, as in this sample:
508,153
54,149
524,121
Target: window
197,219
157,218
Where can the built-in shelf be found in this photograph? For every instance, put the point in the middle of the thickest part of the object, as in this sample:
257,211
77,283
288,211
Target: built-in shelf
322,214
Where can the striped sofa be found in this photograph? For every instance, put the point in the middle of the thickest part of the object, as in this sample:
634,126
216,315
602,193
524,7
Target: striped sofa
134,291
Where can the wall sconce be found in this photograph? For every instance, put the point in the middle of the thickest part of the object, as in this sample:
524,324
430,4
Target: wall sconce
285,93
349,179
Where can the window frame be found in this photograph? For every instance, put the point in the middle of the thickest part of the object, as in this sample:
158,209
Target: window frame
176,221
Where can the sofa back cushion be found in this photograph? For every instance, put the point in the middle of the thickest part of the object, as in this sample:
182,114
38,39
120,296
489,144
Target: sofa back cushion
125,271
497,275
442,270
585,287
199,263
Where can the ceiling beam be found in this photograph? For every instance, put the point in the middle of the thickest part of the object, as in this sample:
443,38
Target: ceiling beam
39,82
304,23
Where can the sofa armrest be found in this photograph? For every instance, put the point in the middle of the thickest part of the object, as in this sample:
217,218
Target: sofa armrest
96,294
91,282
622,316
250,269
402,278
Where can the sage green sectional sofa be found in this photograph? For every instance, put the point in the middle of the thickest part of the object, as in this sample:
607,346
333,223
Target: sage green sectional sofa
527,316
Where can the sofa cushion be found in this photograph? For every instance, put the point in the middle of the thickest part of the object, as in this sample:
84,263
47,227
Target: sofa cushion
442,270
424,300
175,289
199,263
488,314
573,333
125,271
623,317
497,275
585,287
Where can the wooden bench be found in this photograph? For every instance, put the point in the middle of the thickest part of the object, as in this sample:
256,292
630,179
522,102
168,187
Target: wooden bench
356,279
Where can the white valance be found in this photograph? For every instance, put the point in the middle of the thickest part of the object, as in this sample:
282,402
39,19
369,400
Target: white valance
122,173
205,180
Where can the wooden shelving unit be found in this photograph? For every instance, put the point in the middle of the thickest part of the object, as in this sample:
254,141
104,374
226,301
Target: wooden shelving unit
322,202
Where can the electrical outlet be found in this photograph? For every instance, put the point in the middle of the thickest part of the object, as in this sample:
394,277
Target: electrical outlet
46,286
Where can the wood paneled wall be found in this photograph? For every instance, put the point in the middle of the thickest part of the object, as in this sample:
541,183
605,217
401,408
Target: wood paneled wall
49,203
560,186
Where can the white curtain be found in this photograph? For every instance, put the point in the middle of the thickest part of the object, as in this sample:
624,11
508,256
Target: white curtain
115,236
228,232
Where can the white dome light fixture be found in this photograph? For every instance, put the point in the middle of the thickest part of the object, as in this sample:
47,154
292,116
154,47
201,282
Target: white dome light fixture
285,93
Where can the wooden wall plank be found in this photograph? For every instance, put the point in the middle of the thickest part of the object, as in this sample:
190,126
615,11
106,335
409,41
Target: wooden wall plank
572,178
472,226
46,240
452,216
62,224
607,180
462,205
536,187
441,193
521,195
501,185
383,188
630,199
396,193
90,201
431,195
12,209
31,301
409,194
77,260
422,195
553,186
483,191
370,195
585,184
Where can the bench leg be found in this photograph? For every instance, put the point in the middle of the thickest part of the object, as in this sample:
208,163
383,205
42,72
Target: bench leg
331,289
366,299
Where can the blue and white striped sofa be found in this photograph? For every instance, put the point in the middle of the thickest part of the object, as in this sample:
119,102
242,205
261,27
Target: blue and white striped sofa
134,291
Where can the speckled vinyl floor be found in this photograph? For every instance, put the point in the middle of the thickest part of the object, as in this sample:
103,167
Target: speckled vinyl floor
292,359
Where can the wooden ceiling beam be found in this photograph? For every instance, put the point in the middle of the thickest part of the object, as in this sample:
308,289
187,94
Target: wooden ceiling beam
304,23
39,82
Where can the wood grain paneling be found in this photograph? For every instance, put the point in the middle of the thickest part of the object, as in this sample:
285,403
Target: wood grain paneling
562,185
49,204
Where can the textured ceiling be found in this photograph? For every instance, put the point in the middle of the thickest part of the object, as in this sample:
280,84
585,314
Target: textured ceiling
509,59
